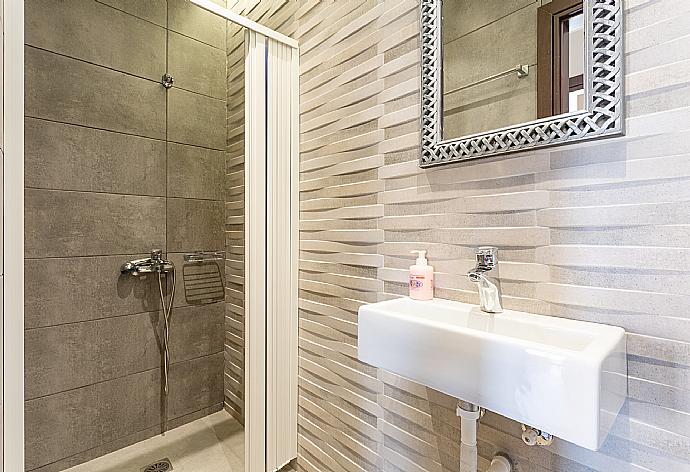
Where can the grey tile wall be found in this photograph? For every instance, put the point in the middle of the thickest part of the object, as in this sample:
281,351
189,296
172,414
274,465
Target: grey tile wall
66,90
197,66
54,286
191,21
186,217
115,168
196,119
98,34
481,40
70,423
154,11
71,157
62,223
195,172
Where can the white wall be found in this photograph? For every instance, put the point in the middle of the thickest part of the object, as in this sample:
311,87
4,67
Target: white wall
2,40
12,145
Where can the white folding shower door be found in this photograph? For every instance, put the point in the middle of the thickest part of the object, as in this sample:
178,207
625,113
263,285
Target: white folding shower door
271,251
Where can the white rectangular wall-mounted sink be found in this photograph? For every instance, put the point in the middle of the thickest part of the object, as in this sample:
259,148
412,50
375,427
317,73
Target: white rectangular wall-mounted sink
565,377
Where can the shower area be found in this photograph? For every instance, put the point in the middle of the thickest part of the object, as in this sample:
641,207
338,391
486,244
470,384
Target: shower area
134,311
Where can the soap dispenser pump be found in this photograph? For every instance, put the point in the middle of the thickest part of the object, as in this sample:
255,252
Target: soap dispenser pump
421,278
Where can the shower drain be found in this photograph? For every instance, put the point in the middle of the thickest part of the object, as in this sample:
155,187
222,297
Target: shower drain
163,465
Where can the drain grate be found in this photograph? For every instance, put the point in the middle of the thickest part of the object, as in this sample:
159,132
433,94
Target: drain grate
163,465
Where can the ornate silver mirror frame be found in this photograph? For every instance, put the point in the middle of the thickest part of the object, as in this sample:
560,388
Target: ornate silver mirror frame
603,93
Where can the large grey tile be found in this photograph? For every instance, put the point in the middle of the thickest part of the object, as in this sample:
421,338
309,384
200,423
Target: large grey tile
195,172
196,119
495,48
97,33
195,384
186,18
60,224
65,357
69,157
196,66
68,290
195,225
196,331
463,16
154,11
71,422
71,91
489,106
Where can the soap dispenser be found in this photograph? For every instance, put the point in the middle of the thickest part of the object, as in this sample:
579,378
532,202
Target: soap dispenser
421,278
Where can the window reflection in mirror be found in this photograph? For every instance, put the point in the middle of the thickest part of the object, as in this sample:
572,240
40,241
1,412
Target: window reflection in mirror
576,62
508,62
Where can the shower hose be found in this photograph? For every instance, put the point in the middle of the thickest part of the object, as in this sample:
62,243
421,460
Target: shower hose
167,310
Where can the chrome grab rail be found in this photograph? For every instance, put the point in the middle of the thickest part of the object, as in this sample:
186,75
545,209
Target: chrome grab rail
203,256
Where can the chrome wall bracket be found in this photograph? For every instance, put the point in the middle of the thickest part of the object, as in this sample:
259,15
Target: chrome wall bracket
167,81
204,256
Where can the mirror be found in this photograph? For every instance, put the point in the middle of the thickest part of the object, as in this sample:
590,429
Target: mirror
501,76
510,62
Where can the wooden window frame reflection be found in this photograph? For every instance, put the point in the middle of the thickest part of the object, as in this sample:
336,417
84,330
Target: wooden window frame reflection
554,83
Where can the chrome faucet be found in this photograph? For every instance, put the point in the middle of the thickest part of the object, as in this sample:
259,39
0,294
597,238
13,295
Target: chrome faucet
149,265
485,275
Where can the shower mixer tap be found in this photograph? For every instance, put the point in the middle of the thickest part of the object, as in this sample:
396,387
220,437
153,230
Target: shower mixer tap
148,265
166,271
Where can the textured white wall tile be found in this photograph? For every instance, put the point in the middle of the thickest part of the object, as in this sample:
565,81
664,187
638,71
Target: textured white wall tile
597,232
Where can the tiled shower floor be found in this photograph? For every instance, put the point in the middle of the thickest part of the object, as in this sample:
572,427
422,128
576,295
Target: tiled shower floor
214,443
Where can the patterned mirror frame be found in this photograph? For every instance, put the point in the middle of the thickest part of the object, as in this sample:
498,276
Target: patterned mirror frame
603,94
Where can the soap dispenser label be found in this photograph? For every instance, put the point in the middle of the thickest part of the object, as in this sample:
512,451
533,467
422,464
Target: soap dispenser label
420,282
417,282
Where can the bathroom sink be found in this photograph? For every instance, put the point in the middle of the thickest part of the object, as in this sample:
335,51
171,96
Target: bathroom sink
564,377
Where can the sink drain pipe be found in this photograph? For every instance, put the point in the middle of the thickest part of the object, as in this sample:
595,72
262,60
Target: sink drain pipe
469,416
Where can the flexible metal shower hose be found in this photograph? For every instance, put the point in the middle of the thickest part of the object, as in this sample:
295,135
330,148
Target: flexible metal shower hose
167,310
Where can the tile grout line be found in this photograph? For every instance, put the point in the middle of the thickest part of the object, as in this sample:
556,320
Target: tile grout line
167,118
167,25
114,317
101,382
126,194
120,254
124,133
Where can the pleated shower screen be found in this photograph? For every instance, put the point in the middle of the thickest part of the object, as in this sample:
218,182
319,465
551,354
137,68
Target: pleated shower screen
271,250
